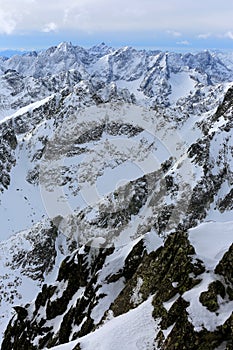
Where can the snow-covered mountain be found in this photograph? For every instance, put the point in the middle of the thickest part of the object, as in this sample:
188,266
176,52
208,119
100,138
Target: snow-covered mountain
116,174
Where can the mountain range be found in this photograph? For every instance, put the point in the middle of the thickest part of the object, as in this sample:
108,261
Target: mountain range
116,199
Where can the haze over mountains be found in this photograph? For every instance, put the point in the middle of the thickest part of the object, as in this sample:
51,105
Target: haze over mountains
116,170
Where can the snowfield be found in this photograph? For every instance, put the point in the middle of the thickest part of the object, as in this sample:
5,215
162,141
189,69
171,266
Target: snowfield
134,330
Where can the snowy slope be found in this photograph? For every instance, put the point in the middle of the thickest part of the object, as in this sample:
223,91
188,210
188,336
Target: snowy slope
135,329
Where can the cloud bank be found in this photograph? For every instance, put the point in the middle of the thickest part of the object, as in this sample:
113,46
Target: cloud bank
172,16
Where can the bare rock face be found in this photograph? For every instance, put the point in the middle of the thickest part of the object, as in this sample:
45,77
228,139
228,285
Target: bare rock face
7,153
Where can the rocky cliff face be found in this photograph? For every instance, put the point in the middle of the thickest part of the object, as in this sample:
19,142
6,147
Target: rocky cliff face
116,199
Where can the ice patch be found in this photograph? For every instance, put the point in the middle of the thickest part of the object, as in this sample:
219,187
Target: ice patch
181,84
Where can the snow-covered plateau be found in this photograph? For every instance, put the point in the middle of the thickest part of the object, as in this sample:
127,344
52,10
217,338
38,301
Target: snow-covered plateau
116,200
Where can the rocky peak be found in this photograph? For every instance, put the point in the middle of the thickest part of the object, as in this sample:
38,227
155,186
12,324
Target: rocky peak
100,50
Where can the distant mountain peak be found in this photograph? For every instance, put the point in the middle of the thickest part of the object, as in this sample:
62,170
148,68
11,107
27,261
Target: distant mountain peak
100,49
65,46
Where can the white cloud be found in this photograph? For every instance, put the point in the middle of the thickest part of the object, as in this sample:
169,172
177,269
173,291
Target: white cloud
174,33
183,42
204,36
7,23
226,35
50,27
229,35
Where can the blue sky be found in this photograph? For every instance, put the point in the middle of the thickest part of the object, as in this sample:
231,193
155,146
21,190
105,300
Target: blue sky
182,25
